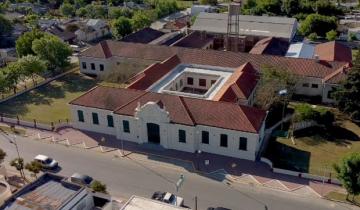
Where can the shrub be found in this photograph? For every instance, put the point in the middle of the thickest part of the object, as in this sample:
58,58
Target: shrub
313,36
97,186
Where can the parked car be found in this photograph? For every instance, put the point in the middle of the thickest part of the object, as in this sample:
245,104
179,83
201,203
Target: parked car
169,198
81,179
217,208
46,162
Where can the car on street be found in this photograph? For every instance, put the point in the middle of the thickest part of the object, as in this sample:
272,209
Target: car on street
217,208
169,198
46,162
81,179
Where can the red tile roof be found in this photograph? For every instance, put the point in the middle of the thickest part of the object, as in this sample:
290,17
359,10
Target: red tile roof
333,51
195,39
337,76
153,73
106,98
240,84
301,67
182,110
270,46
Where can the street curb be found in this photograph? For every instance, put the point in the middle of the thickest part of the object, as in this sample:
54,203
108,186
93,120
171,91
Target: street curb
339,201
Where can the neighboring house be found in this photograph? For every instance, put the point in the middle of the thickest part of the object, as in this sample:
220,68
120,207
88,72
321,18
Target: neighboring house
45,24
196,9
270,46
35,8
333,51
300,50
65,36
179,24
110,56
8,54
54,192
328,51
144,36
93,29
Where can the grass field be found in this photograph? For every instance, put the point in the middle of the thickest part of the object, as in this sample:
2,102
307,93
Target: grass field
49,103
316,149
342,197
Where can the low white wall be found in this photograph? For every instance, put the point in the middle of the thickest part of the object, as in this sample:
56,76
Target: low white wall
267,161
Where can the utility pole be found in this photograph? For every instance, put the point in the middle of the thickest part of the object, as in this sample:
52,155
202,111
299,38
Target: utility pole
195,202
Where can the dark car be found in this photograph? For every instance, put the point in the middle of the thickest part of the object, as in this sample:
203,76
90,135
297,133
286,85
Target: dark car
81,179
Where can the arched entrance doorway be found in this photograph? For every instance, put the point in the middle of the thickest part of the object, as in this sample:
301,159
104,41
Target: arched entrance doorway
153,131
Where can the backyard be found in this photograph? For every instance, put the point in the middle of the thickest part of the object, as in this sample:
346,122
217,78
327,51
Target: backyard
316,149
48,103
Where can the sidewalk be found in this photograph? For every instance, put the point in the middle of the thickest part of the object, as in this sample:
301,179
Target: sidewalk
220,167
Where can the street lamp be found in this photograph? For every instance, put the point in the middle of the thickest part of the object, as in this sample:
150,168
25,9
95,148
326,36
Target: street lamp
283,93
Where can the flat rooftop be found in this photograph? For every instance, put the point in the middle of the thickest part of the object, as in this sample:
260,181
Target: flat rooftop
48,192
140,203
281,27
182,71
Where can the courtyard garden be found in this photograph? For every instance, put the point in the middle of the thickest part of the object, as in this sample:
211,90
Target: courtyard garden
48,103
317,148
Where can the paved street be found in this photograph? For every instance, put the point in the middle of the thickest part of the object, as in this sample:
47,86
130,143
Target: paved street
125,177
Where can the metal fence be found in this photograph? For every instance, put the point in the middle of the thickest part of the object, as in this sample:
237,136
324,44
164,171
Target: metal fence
50,126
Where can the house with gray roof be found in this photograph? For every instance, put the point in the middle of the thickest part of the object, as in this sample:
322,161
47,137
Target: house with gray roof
54,192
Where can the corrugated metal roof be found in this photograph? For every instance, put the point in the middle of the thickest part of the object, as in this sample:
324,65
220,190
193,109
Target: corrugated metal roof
249,25
48,192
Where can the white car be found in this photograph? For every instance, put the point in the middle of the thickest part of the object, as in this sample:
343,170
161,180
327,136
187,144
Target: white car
169,198
46,162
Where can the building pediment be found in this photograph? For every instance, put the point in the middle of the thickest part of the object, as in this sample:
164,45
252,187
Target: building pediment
152,112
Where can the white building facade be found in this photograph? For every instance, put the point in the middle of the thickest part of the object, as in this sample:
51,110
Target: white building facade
151,123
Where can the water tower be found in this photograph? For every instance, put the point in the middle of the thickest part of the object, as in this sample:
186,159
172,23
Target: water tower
233,34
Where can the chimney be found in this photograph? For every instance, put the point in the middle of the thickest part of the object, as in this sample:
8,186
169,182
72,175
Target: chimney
316,57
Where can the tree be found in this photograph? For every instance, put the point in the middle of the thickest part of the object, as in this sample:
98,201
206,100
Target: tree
52,50
12,74
209,2
331,35
121,27
34,167
141,20
31,66
67,10
2,156
348,94
318,24
272,80
115,13
81,12
32,20
271,7
348,172
97,186
18,163
3,82
24,42
291,7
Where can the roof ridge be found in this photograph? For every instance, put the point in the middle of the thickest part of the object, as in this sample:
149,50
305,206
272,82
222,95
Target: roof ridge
187,110
136,98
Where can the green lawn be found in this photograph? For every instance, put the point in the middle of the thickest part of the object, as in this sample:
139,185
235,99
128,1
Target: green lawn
49,103
316,149
342,197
